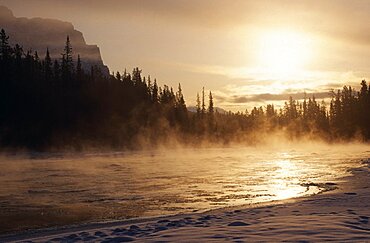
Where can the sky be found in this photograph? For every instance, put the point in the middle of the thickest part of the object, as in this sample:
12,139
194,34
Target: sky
247,52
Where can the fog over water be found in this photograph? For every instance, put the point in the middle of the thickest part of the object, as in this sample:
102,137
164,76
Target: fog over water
91,186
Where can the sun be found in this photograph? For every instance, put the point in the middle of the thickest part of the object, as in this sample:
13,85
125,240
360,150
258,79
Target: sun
283,52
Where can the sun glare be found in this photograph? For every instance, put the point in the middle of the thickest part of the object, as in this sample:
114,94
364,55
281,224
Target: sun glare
283,52
285,182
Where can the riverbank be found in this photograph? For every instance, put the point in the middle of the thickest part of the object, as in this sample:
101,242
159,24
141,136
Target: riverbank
340,215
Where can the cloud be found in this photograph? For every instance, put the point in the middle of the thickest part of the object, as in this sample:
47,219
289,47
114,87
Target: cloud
226,13
278,97
304,15
267,97
211,42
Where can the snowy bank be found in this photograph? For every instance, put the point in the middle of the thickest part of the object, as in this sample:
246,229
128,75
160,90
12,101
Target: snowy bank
340,215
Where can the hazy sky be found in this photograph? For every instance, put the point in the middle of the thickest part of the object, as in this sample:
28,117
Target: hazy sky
246,52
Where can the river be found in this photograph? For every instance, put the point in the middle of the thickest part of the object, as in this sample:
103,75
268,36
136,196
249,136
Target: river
42,189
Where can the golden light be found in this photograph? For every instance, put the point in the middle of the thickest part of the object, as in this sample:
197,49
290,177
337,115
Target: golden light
283,53
285,180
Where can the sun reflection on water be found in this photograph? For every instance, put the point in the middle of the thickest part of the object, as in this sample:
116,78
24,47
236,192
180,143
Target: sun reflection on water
285,179
146,184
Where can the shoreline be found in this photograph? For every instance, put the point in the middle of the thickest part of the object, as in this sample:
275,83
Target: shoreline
279,216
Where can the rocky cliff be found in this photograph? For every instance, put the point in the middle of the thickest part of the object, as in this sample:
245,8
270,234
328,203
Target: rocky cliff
38,34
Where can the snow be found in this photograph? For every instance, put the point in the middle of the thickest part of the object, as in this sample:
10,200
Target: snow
340,215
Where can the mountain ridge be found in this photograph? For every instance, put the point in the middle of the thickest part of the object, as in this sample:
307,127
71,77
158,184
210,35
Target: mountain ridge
38,34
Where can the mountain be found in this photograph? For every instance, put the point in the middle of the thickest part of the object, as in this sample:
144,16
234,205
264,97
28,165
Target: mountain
38,34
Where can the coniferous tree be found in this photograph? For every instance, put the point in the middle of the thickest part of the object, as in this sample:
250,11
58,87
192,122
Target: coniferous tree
113,111
155,92
203,102
48,66
136,76
150,89
210,106
5,53
5,49
67,61
364,108
180,107
199,109
180,101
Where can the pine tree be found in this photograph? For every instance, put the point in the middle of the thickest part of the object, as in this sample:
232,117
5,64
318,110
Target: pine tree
180,101
150,88
198,105
136,76
210,106
68,54
67,61
47,66
5,49
203,103
155,92
363,109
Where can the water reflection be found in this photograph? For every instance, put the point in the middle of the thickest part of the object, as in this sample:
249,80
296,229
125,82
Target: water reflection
112,186
285,181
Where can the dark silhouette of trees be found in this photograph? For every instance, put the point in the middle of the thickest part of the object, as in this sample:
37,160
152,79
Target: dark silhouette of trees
67,61
79,70
363,109
180,108
47,64
56,104
199,110
5,49
210,106
203,111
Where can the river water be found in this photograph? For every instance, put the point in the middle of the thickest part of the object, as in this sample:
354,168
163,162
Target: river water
40,190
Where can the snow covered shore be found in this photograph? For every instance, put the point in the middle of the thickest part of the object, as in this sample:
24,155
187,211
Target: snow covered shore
340,215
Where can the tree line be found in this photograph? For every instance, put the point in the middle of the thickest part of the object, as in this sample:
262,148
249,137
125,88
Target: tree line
47,103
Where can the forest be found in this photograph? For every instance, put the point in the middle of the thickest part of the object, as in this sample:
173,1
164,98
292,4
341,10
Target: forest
56,104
